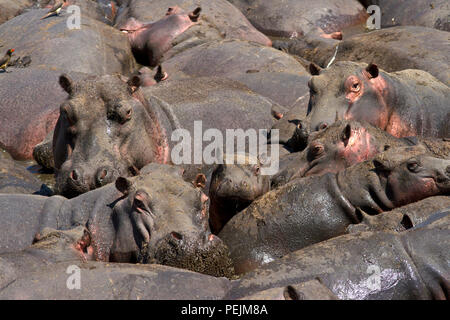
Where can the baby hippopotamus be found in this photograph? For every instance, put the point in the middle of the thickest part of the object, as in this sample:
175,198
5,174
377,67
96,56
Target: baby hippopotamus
233,187
150,41
313,209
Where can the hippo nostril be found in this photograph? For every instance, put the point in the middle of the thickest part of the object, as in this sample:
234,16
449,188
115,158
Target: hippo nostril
323,125
74,175
103,174
176,235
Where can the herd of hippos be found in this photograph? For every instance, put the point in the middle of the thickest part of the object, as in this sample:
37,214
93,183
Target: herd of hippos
358,209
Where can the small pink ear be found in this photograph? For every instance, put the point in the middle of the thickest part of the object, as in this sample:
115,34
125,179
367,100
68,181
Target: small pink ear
314,69
200,181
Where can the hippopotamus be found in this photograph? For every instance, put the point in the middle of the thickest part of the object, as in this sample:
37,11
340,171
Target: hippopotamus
107,128
289,218
382,265
52,260
156,217
296,18
218,20
233,187
428,13
404,103
96,48
339,146
150,41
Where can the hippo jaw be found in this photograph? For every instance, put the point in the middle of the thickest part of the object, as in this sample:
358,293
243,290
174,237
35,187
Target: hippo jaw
418,178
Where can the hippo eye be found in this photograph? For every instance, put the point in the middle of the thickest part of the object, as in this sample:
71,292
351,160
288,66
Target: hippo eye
413,166
317,150
257,170
356,87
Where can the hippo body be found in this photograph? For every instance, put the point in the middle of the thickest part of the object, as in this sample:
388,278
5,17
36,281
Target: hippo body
289,218
151,41
143,124
14,178
295,18
129,222
231,58
11,8
218,19
404,103
348,266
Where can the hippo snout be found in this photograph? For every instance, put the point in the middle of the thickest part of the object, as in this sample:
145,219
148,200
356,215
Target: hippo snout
105,175
204,253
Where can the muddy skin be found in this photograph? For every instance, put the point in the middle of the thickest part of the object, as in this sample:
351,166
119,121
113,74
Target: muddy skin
154,218
344,265
150,41
405,103
288,218
233,188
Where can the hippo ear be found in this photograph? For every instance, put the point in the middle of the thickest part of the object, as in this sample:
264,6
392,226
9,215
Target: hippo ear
124,185
199,181
195,14
66,83
346,134
314,69
134,83
372,71
381,165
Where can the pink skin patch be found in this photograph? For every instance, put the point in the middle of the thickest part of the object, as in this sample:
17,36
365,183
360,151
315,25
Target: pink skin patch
424,188
359,147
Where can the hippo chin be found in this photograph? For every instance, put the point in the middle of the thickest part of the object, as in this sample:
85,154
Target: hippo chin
404,103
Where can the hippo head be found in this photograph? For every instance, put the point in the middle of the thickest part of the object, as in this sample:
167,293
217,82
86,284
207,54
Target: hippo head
342,145
417,178
103,131
347,90
163,219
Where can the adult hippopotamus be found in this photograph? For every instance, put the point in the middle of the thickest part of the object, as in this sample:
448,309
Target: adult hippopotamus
106,130
405,103
156,217
365,266
289,218
233,187
52,260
